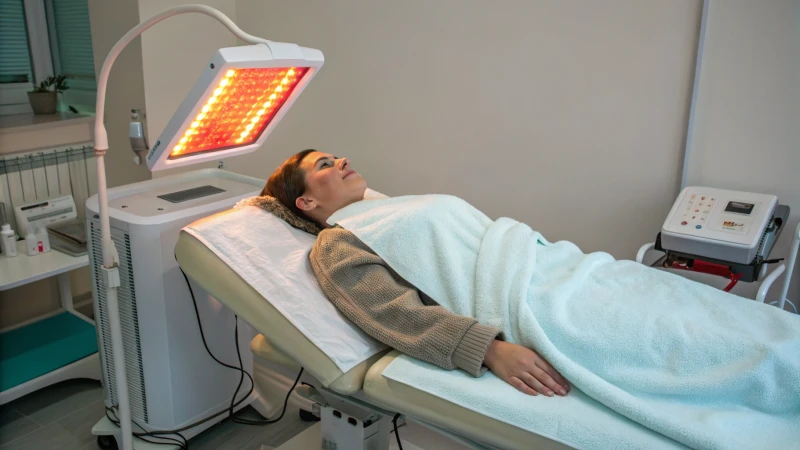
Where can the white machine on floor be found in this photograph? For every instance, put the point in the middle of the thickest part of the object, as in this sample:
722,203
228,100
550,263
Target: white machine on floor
728,234
172,380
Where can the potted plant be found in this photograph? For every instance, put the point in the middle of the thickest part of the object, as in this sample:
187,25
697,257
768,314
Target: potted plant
44,96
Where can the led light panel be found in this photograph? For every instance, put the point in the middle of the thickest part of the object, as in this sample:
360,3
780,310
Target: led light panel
238,100
240,108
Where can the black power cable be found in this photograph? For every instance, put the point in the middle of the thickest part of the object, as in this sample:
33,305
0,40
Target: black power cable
242,372
242,421
396,433
183,443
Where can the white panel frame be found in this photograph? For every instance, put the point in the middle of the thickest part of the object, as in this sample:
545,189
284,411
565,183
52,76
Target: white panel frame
252,56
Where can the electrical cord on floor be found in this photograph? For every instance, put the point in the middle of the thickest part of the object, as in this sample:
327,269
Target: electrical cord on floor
242,421
396,433
183,443
242,372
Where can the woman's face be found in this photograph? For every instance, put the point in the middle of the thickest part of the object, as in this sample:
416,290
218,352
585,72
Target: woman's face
330,184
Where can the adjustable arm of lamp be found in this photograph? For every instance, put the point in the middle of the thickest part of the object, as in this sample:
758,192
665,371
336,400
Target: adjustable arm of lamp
110,268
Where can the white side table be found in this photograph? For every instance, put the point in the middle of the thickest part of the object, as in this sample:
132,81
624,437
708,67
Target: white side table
24,269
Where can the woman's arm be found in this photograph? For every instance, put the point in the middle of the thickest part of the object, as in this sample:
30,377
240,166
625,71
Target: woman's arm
380,302
524,369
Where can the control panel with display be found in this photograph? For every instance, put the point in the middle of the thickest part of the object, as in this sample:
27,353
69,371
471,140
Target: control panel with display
718,223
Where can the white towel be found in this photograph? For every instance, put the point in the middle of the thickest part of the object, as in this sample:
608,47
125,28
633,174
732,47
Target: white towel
701,366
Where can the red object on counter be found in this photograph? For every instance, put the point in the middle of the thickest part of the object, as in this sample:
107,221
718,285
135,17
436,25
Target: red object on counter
712,269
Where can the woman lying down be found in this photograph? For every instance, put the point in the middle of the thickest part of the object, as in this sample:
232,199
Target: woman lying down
434,278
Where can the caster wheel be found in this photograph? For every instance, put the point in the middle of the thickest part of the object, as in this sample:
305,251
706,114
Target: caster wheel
107,442
308,416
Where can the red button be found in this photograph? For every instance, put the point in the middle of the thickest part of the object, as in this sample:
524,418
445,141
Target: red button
696,210
684,223
702,198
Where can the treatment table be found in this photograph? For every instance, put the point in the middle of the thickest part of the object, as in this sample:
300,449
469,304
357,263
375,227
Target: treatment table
280,342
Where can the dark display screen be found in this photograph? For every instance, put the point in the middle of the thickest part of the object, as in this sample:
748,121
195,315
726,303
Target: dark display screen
191,194
740,208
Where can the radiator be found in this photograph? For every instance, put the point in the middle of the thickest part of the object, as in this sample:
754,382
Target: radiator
45,174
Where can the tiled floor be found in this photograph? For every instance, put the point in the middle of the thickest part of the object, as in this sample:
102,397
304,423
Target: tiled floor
61,418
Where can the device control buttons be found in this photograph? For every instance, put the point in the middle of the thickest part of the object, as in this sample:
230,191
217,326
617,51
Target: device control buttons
694,195
699,227
684,223
702,198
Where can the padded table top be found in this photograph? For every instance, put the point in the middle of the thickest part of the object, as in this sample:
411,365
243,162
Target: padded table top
428,408
219,280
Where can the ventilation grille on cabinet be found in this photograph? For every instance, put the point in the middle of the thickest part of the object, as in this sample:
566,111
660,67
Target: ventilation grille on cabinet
763,239
128,318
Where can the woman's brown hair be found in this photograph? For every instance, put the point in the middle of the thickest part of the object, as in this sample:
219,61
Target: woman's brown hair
288,183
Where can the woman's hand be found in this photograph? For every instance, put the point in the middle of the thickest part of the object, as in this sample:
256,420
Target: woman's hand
524,369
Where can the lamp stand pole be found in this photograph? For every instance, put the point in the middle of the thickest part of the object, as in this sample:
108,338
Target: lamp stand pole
110,267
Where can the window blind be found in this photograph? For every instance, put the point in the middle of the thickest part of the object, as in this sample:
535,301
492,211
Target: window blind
15,58
71,42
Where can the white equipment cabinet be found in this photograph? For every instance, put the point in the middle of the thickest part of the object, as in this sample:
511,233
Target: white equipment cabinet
172,380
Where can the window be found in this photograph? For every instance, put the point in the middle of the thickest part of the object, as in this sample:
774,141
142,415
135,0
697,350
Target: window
39,38
16,70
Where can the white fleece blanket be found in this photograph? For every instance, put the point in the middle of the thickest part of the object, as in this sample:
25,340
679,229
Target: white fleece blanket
703,367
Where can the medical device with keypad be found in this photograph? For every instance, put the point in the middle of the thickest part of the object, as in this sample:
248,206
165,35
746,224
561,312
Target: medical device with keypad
725,233
737,227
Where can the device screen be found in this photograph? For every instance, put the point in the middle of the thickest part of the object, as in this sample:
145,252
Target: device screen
191,194
740,208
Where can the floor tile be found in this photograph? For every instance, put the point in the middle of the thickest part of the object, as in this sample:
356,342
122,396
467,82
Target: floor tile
229,435
55,402
51,437
14,425
79,424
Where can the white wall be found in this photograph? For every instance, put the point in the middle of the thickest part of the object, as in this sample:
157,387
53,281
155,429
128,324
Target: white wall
747,121
570,116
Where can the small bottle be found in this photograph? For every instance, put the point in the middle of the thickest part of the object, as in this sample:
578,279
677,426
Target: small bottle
9,241
43,238
31,243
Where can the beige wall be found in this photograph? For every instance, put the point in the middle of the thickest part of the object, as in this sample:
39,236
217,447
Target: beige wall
109,21
746,128
570,116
